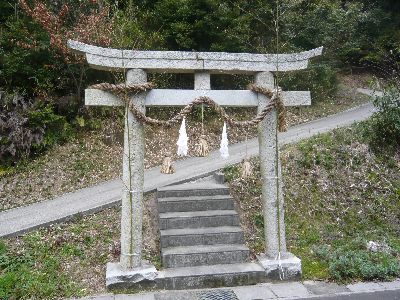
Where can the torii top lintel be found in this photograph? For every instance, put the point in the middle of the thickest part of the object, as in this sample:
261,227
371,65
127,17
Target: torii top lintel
189,62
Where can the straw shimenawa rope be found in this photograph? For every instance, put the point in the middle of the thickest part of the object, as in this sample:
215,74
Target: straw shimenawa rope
121,90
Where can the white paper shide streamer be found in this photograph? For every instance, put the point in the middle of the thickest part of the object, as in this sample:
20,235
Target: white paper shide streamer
182,140
224,143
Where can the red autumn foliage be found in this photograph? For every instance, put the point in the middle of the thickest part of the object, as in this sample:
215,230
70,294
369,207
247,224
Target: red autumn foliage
95,27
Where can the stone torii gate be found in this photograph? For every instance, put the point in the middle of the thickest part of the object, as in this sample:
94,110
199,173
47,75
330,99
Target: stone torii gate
137,64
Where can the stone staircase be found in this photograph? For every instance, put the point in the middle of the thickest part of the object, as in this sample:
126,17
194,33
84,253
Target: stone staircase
202,244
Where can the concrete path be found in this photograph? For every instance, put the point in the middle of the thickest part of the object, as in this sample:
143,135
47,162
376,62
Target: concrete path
17,221
370,92
287,290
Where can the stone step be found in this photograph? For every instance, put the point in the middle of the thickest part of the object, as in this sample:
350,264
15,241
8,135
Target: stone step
199,255
193,189
201,236
195,203
196,219
211,276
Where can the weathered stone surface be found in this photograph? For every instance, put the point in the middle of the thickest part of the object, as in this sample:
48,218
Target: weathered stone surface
197,189
198,203
378,247
86,48
200,277
182,55
391,285
231,98
168,97
364,287
325,288
257,292
187,66
250,57
211,276
198,238
177,295
282,226
117,275
178,61
204,255
236,67
195,219
202,81
98,97
228,98
202,236
267,138
133,179
287,268
289,290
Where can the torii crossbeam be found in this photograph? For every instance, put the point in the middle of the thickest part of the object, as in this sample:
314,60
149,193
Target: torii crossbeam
137,64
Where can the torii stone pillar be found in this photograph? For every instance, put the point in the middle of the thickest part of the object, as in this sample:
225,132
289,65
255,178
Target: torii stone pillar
133,178
131,264
269,163
277,262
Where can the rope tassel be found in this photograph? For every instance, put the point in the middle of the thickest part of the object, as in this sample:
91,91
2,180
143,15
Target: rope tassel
167,166
202,147
224,143
247,169
182,140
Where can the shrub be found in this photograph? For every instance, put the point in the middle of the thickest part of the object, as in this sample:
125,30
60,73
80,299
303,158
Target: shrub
345,265
25,128
383,130
56,128
353,261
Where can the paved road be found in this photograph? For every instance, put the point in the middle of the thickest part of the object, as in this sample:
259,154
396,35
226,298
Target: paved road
280,290
381,295
88,200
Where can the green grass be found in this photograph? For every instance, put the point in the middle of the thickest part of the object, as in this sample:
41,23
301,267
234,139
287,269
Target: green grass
339,195
67,260
35,273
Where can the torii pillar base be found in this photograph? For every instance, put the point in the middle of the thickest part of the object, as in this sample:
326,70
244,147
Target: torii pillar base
140,277
287,268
